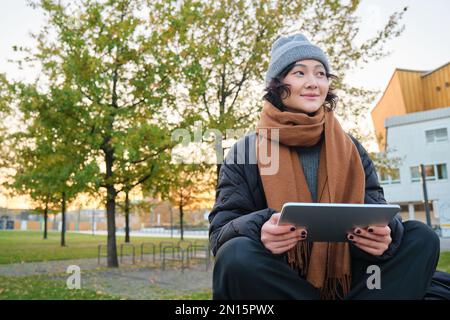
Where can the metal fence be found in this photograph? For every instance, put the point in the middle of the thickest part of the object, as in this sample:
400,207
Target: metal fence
184,252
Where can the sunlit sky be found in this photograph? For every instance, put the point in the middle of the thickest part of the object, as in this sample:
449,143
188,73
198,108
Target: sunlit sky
424,45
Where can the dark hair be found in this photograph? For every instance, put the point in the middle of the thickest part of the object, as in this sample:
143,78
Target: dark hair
277,91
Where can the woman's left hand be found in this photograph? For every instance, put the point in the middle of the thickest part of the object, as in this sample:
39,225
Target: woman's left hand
373,239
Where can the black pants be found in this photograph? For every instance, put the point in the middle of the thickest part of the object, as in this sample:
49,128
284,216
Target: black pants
245,269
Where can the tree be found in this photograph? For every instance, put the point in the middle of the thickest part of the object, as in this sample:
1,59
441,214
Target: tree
5,112
142,170
225,52
46,161
125,209
113,63
187,186
45,205
386,162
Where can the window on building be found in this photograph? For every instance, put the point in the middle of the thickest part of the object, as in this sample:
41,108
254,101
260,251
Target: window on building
436,135
415,174
433,172
441,171
393,177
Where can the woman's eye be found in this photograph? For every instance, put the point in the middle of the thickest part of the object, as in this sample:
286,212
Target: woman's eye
321,73
299,73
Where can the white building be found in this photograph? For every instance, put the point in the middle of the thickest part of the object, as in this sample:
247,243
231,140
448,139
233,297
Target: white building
420,138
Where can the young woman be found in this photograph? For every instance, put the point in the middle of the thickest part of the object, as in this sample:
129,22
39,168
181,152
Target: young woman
317,162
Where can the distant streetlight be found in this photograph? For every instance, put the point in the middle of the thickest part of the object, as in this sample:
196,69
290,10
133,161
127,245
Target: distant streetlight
425,194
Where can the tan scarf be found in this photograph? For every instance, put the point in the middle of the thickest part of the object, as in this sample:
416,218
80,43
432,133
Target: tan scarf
341,179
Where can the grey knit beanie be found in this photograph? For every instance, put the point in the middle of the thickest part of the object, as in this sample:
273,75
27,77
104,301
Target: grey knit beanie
288,49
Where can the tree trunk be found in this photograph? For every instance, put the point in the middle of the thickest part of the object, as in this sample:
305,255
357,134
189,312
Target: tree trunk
111,192
181,219
127,217
45,220
111,210
63,220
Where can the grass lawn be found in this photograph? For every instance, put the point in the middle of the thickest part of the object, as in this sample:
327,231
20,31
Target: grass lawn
29,246
41,288
444,262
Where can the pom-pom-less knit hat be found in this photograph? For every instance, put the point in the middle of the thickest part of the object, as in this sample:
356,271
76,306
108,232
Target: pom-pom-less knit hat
288,49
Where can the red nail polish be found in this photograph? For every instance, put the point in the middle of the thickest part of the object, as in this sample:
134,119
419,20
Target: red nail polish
370,230
293,229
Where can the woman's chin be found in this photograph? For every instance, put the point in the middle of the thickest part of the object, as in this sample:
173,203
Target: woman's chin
310,110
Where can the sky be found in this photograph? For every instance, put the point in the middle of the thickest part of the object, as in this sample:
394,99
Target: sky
424,45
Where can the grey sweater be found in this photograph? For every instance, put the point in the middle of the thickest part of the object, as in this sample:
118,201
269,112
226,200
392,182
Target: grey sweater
309,159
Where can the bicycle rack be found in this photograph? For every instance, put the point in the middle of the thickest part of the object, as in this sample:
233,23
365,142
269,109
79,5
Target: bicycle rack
99,248
128,245
161,244
192,254
153,250
179,257
201,243
170,251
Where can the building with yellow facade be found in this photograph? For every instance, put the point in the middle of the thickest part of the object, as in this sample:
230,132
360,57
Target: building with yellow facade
412,121
411,91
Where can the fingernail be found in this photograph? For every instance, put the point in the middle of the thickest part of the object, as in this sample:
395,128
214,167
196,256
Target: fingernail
293,229
358,231
350,237
303,233
303,236
370,230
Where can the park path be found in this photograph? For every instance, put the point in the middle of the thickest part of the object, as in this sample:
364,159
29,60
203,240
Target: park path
45,267
140,281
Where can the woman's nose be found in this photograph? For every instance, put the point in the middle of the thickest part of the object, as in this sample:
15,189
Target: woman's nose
311,82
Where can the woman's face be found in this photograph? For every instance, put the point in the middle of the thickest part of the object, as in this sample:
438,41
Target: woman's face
309,86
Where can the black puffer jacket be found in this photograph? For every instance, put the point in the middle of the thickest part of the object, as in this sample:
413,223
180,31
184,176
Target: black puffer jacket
241,207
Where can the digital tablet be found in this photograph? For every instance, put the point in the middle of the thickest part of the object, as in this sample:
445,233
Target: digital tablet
330,222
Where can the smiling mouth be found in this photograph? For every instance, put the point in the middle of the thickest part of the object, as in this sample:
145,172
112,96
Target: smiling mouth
309,97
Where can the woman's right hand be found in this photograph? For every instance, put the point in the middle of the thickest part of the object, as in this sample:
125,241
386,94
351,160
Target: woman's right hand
279,239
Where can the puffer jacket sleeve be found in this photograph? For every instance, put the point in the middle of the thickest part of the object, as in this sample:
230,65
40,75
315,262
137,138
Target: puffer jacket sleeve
236,212
375,195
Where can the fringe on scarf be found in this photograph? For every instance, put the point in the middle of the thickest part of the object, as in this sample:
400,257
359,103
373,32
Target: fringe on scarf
298,259
330,290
